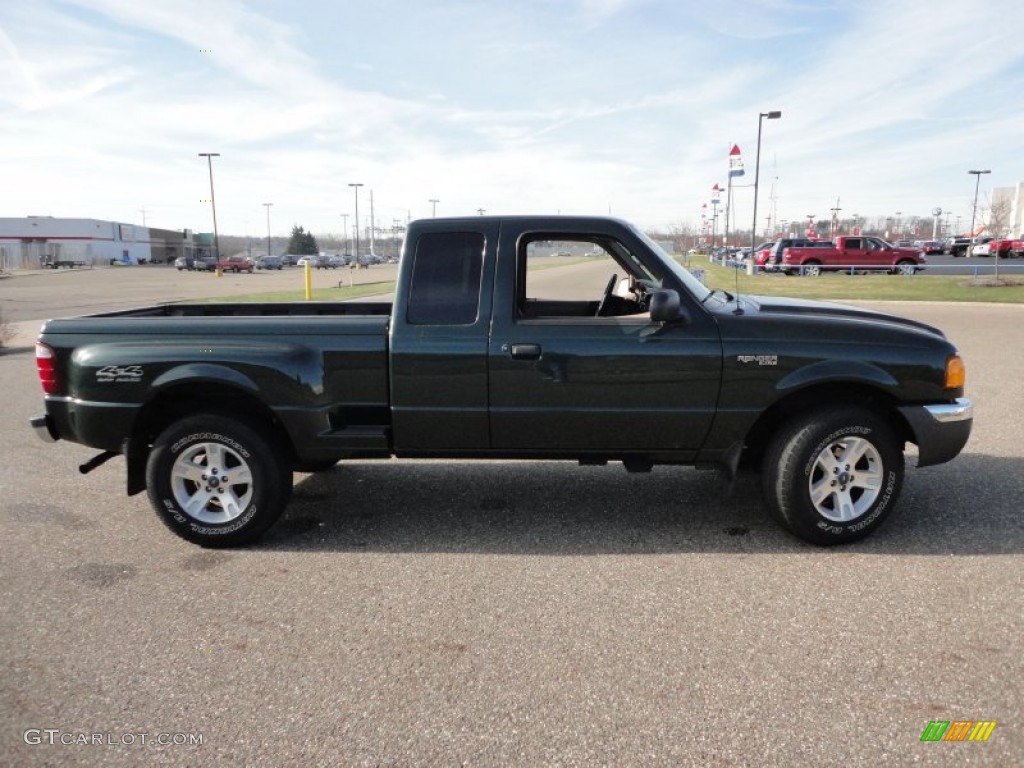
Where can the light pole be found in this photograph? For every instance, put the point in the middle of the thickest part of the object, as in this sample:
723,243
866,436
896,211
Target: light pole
344,232
267,206
216,240
356,188
775,114
974,211
433,211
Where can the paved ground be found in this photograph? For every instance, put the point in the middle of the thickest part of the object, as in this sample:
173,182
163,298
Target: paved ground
501,613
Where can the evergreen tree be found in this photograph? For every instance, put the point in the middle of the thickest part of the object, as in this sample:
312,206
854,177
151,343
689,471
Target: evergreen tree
302,243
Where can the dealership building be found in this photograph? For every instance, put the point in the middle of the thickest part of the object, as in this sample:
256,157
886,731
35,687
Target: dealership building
33,242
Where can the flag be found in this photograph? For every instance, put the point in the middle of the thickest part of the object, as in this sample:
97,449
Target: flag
735,162
715,190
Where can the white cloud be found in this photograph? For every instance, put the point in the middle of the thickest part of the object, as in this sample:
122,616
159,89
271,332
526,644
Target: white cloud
628,104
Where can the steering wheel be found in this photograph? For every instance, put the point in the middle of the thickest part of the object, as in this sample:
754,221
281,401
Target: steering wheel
607,292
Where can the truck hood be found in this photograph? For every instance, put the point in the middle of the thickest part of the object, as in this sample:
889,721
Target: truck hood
828,310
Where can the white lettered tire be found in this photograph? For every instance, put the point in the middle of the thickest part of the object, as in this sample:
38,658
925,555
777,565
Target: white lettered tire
216,481
833,475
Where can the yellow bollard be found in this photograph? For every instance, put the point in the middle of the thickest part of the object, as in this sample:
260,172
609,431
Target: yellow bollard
309,281
218,271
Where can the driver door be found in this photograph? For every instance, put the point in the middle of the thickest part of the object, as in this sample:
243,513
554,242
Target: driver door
563,380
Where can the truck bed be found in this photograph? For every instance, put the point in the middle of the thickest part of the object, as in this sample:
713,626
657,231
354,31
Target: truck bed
258,309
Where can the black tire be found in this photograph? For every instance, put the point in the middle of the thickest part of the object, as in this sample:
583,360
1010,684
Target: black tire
795,474
225,513
904,267
812,268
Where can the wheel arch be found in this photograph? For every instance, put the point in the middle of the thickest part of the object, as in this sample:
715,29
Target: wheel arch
189,398
847,393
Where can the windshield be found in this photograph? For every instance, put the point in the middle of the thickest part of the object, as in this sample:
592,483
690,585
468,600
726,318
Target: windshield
692,284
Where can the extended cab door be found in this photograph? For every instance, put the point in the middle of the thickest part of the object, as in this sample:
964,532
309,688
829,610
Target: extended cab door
570,376
438,338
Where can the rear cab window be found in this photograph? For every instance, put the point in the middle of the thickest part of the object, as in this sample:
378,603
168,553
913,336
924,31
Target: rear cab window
446,273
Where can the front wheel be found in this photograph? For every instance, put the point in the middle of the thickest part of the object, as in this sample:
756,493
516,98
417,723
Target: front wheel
215,481
812,269
834,475
905,267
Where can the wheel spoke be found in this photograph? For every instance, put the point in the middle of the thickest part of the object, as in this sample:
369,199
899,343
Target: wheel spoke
821,491
188,471
231,504
241,475
869,480
196,504
214,456
844,509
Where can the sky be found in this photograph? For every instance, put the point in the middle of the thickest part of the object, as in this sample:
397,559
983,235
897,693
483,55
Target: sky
628,107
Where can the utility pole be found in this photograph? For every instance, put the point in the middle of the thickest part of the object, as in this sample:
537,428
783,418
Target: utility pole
834,229
373,224
433,210
356,188
267,206
216,239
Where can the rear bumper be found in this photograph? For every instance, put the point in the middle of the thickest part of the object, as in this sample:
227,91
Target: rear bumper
940,431
43,426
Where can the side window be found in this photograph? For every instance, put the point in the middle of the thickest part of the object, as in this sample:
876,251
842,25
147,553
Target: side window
573,277
446,273
855,243
567,270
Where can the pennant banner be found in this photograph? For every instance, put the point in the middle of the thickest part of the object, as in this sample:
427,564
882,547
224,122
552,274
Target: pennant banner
735,162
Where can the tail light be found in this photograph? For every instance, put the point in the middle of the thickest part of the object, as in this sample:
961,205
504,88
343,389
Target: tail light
46,364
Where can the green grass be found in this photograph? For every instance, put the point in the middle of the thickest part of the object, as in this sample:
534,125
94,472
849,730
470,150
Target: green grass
319,294
874,286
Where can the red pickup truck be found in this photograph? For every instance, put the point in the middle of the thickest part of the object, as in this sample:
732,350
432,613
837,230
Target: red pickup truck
853,254
234,264
1007,248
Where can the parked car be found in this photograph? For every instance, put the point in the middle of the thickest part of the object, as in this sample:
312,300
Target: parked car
931,246
1007,248
234,264
268,262
184,262
981,246
957,246
203,263
853,254
304,260
775,254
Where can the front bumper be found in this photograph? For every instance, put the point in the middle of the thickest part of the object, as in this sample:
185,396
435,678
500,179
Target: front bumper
940,431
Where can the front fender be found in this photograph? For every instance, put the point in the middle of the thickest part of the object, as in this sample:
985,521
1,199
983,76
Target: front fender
849,371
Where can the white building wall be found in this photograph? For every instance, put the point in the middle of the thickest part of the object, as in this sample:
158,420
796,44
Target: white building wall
25,242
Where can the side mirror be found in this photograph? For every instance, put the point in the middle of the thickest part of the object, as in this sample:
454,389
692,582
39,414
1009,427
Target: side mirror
665,307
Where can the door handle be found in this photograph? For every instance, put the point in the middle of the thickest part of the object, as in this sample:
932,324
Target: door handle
526,351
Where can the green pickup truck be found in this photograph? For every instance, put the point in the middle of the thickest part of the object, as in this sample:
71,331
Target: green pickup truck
571,338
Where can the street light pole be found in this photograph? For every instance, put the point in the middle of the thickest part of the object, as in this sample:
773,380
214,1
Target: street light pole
974,212
433,203
356,188
267,206
216,239
344,232
774,114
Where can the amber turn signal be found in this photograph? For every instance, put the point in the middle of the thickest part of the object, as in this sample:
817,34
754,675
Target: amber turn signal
956,372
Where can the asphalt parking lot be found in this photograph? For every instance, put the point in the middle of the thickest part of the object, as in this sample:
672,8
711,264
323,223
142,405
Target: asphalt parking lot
511,613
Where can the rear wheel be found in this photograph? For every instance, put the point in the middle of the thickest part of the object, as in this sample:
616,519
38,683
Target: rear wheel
216,481
833,476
